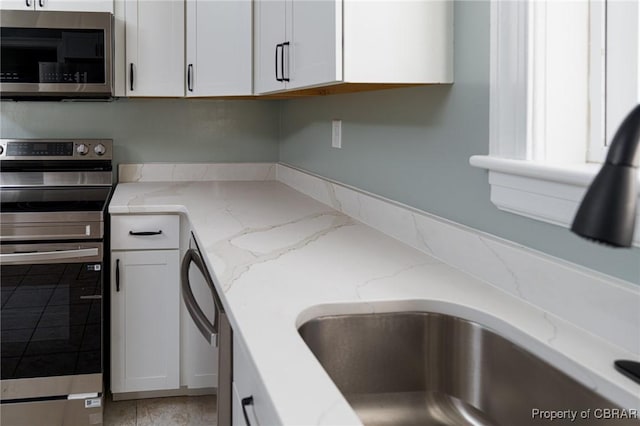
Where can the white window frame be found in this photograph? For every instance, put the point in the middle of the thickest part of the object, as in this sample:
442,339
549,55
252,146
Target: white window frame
540,161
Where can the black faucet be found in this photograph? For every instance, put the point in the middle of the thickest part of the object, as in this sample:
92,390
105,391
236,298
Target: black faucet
608,210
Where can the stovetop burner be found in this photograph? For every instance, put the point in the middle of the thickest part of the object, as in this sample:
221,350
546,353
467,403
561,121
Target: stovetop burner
53,200
54,189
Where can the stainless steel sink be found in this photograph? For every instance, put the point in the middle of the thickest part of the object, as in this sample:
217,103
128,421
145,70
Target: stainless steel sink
416,368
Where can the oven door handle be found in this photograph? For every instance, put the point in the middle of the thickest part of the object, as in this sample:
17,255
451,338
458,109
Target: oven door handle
12,258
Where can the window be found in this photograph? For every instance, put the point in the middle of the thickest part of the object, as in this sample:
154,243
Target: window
563,76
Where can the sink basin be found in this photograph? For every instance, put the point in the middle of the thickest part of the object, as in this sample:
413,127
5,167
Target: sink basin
417,368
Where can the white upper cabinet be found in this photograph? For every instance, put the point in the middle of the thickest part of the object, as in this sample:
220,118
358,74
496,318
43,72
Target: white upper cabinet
269,37
302,44
218,48
401,41
154,39
298,44
18,4
315,50
59,5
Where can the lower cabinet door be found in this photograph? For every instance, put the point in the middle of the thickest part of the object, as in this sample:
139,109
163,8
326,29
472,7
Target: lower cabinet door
250,398
236,409
145,320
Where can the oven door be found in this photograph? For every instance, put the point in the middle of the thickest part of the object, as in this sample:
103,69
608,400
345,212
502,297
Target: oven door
50,324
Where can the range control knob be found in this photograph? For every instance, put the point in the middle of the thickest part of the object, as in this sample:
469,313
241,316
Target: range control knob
82,149
99,149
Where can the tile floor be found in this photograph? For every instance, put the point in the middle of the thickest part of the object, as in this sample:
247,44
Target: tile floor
173,411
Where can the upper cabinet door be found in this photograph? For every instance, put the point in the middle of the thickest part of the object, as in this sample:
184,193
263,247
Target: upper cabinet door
154,34
219,48
75,5
59,5
17,4
298,44
350,45
269,48
314,31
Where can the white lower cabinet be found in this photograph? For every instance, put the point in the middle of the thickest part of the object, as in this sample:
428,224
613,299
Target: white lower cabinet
237,415
250,398
145,321
145,303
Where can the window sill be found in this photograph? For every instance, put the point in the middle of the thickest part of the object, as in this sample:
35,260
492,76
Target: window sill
548,193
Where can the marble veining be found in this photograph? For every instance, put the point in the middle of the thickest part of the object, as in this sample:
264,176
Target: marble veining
231,252
279,258
577,294
514,276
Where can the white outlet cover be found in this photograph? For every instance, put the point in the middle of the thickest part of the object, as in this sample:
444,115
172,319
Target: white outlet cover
336,133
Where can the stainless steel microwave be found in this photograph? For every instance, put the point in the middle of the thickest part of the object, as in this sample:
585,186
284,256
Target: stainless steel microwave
56,55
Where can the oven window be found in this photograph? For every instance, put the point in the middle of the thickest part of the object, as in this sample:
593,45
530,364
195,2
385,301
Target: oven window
52,56
51,320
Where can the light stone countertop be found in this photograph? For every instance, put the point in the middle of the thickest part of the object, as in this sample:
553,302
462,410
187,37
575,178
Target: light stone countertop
281,258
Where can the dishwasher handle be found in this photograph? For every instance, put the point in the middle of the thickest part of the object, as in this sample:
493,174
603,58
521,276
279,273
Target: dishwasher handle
209,331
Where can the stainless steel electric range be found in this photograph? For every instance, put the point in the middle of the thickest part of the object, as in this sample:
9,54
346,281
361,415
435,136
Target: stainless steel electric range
53,196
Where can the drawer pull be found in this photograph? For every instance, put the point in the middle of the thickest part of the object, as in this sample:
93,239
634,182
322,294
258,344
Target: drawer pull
246,401
145,233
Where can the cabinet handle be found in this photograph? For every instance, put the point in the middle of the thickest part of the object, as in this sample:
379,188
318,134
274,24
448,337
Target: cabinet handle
246,401
189,72
117,274
41,3
131,76
282,62
145,233
28,3
276,61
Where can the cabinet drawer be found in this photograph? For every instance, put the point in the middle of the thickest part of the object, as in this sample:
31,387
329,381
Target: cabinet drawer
132,232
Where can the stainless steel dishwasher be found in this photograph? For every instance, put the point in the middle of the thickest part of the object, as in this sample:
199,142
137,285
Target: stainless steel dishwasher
216,333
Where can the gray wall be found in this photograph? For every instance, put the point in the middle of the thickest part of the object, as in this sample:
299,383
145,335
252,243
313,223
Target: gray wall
410,145
413,145
162,130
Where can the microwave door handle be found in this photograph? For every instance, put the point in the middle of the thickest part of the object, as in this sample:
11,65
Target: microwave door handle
209,331
15,258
